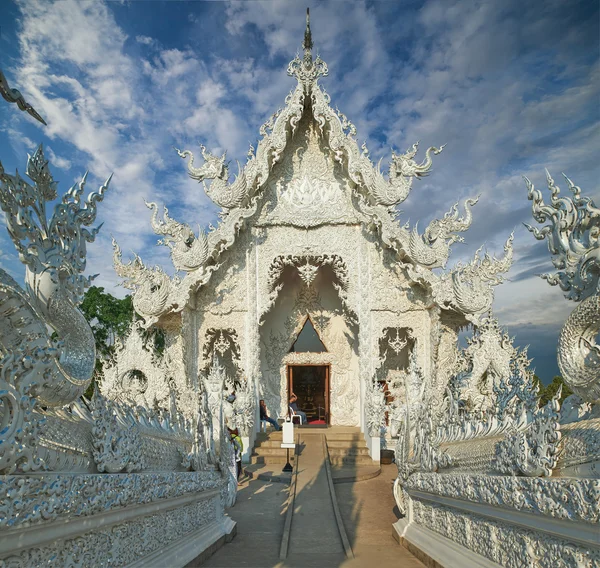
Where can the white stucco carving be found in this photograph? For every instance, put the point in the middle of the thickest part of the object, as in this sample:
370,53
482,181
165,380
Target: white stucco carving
574,242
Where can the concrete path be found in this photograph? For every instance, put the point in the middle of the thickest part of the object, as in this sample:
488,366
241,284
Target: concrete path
367,509
260,514
315,539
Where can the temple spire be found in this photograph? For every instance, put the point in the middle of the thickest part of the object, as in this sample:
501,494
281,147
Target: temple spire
307,44
306,70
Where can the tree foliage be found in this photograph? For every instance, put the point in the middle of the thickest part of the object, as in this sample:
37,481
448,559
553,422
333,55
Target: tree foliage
548,391
109,318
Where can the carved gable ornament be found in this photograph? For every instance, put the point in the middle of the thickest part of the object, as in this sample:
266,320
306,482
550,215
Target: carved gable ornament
308,171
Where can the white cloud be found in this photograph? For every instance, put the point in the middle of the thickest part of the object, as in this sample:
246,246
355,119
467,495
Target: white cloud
57,161
145,40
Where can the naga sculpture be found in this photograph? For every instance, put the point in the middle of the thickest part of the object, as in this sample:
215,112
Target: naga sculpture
467,288
403,168
472,283
225,195
188,252
54,254
574,242
151,286
432,249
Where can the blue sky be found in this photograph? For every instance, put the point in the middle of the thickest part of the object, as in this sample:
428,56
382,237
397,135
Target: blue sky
512,87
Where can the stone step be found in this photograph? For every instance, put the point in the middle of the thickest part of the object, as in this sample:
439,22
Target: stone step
345,436
270,460
260,451
348,451
350,460
268,444
354,473
346,444
274,435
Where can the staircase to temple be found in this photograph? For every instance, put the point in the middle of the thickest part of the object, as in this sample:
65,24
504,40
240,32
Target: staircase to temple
268,450
347,448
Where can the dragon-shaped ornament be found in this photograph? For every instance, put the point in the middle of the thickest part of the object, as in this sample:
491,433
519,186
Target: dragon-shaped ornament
467,288
402,170
54,253
432,249
188,252
151,286
574,243
224,194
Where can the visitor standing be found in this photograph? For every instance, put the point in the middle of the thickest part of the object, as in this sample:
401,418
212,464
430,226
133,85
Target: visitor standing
238,447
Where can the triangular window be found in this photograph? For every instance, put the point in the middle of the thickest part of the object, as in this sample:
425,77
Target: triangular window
308,340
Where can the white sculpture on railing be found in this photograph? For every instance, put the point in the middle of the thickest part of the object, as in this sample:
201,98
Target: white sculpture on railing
574,242
491,434
47,361
55,371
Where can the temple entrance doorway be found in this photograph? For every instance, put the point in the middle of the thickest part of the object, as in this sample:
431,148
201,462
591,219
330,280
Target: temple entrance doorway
310,383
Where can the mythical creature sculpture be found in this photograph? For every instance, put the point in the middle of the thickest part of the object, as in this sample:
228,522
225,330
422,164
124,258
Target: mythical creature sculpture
375,407
15,96
244,407
432,249
54,254
574,242
402,170
188,252
533,451
487,362
225,195
467,288
151,286
472,283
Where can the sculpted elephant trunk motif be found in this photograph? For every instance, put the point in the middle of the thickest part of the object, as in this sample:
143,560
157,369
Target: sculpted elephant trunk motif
53,251
574,242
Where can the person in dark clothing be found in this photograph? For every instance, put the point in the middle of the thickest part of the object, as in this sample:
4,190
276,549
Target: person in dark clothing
265,416
238,448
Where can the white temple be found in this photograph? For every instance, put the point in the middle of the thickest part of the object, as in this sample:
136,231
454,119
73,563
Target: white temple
310,283
309,235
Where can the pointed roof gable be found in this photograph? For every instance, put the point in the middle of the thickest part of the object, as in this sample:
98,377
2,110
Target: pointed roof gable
372,196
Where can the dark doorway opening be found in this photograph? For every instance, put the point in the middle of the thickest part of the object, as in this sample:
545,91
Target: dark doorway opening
310,383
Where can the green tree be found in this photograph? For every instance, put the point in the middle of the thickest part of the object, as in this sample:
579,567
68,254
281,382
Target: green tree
548,392
109,318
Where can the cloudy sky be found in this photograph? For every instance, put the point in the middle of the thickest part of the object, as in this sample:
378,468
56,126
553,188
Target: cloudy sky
512,87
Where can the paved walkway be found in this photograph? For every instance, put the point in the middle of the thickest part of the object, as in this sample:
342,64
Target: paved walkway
315,539
367,509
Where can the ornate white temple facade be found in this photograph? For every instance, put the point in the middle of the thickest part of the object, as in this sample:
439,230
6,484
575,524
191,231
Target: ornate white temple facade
310,283
309,235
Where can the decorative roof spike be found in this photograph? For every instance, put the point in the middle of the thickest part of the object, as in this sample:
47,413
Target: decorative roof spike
307,44
306,70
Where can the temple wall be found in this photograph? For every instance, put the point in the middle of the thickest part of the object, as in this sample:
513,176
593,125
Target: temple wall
259,292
